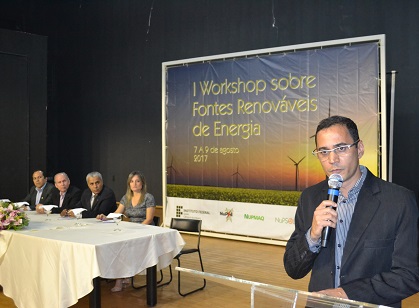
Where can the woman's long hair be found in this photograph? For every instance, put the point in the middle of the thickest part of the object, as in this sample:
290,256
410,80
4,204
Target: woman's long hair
129,194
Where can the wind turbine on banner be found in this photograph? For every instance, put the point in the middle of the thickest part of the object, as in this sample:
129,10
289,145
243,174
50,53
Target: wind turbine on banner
171,170
296,171
236,175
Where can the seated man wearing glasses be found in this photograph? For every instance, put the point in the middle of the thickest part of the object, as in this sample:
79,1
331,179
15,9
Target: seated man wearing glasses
372,253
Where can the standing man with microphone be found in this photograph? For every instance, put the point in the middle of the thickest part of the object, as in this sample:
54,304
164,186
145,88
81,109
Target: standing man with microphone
372,253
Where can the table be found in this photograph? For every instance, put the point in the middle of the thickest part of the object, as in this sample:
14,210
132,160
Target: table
53,263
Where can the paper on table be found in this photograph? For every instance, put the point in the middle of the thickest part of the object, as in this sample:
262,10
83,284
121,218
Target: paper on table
112,215
48,207
20,204
77,210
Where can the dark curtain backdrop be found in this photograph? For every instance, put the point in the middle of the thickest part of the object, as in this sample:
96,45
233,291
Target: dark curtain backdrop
104,68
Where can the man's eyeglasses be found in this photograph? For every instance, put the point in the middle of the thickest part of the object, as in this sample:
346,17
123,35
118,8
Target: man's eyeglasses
341,150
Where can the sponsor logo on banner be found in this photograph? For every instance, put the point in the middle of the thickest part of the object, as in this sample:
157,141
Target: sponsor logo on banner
254,217
179,211
284,220
228,213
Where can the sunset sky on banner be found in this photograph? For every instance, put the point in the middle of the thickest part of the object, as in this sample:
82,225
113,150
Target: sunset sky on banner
249,122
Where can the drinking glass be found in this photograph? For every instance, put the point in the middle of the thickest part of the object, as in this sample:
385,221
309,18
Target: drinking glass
117,220
78,216
47,212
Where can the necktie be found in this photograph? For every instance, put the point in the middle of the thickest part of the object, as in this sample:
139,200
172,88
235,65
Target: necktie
38,195
61,199
92,200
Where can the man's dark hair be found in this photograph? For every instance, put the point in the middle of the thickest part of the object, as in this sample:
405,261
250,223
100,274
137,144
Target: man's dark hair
339,120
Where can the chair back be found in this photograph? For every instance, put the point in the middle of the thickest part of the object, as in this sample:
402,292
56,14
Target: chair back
187,225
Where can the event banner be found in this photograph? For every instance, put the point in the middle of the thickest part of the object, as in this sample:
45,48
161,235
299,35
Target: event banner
241,130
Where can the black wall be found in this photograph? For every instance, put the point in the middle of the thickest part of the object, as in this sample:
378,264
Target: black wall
23,110
104,68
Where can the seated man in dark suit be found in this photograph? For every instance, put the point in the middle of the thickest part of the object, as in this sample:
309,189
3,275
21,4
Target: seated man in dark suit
40,193
65,197
96,199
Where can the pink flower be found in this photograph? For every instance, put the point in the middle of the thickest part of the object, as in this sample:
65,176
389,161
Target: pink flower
11,218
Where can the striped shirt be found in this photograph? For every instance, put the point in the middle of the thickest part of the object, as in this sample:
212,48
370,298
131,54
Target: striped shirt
345,209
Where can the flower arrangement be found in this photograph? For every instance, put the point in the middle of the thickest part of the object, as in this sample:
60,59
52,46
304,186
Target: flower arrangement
11,218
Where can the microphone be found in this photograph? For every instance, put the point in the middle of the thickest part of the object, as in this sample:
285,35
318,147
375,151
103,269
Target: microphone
335,183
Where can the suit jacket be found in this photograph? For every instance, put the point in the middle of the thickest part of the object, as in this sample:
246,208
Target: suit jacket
380,259
104,203
46,197
71,198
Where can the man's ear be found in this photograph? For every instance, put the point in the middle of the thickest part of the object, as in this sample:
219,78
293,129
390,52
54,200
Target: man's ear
360,149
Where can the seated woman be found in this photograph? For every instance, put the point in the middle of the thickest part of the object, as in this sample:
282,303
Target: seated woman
137,204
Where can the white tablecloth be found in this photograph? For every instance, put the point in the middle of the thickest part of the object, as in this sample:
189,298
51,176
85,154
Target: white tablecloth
52,263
